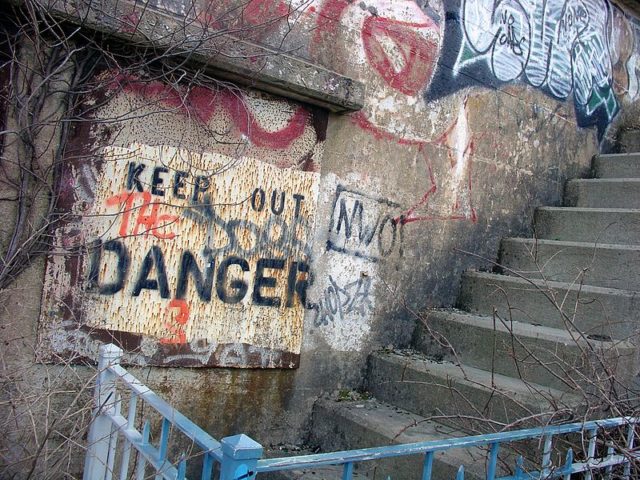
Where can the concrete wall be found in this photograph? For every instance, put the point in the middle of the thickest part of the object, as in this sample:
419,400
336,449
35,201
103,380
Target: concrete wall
473,117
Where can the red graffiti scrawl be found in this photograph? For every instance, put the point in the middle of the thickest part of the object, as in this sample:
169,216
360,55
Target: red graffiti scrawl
177,334
146,215
397,50
417,54
201,103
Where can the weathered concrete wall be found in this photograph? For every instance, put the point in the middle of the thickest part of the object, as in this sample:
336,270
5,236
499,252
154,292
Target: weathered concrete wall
473,117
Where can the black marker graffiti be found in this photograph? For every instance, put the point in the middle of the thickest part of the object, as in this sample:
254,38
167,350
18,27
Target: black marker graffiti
338,302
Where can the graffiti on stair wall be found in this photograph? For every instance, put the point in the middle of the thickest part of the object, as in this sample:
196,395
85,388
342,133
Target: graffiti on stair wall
568,49
364,226
339,301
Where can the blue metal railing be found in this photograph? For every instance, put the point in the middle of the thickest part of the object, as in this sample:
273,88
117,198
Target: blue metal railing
240,458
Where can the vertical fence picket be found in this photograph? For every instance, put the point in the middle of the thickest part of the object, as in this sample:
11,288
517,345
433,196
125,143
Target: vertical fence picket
131,420
182,468
164,443
592,435
610,451
568,465
207,466
427,466
493,461
142,463
631,434
347,471
519,471
545,469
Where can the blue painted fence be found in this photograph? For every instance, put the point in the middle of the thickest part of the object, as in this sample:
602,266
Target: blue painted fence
240,458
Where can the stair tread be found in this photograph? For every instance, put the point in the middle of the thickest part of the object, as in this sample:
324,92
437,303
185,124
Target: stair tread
606,180
391,421
570,243
533,283
590,209
524,329
619,155
532,393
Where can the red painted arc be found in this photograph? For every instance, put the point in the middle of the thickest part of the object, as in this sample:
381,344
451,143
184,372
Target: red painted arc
202,102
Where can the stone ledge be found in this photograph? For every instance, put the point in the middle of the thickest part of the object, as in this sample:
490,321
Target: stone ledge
221,54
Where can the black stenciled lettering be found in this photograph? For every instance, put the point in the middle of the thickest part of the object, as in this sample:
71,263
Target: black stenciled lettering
178,184
239,286
154,258
188,265
298,198
257,199
344,218
122,267
297,285
394,228
261,281
133,176
157,181
201,185
279,209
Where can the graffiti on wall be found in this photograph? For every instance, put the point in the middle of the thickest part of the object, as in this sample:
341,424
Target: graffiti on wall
186,257
566,48
338,301
364,226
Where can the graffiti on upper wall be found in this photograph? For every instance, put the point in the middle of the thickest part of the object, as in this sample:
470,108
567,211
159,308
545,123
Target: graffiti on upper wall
579,50
565,48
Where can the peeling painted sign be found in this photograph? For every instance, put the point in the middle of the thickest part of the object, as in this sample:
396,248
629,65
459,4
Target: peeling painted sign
187,259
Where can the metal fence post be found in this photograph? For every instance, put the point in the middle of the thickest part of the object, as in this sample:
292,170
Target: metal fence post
240,455
98,462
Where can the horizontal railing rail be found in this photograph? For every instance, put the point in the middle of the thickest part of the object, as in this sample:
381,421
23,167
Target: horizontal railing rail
240,458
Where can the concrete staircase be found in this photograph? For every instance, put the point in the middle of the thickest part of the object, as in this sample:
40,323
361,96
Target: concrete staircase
548,336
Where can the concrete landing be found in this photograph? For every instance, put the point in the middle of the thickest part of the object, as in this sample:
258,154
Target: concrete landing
341,425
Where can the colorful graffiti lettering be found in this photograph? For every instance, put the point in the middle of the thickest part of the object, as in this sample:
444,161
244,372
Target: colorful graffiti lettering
146,215
562,47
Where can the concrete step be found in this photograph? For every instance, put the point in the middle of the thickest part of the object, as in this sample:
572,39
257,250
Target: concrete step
628,140
463,396
601,265
598,225
594,311
557,358
603,193
330,472
617,165
370,423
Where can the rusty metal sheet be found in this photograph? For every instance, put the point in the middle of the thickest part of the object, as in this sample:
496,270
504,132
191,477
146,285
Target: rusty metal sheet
182,257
